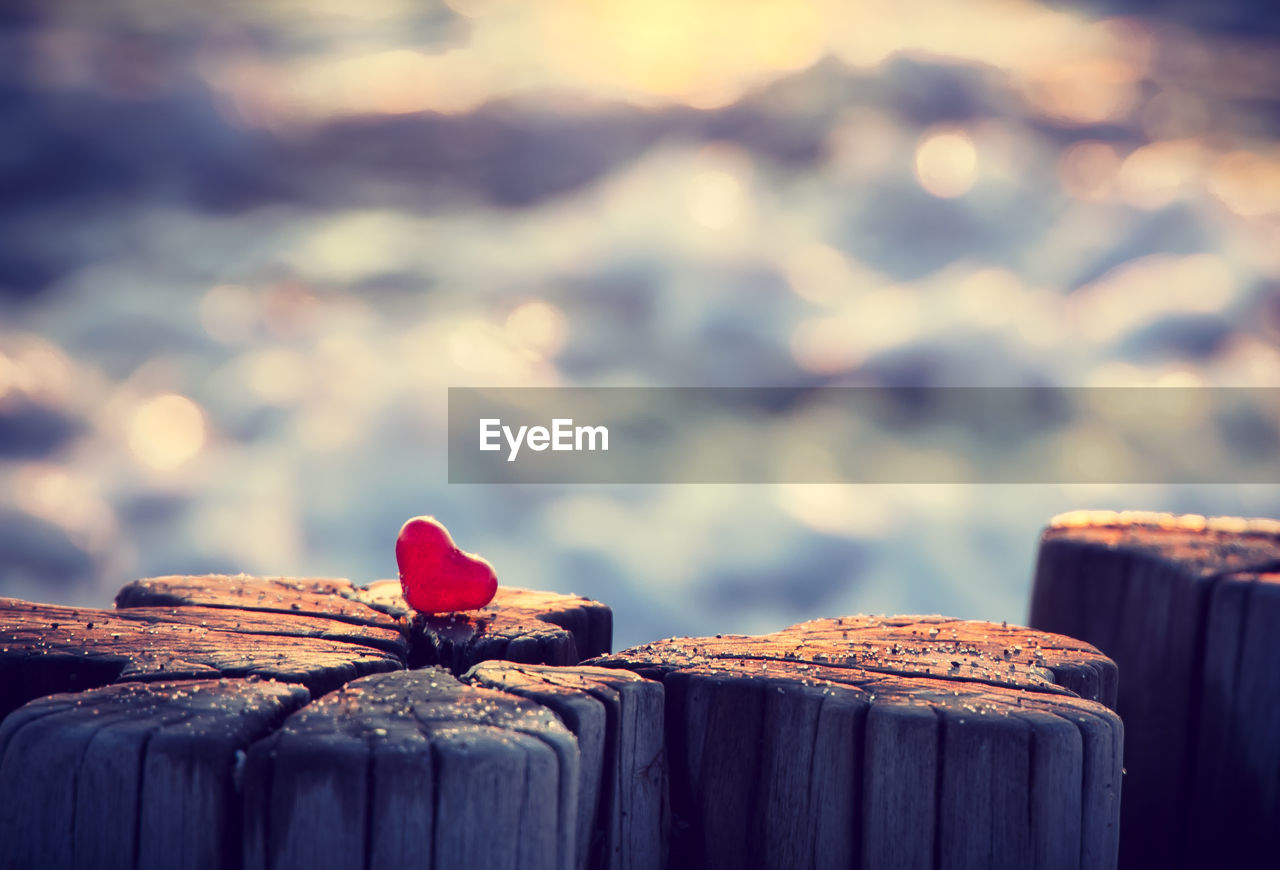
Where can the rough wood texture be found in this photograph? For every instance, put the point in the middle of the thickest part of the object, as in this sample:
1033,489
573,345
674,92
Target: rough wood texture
931,646
322,634
1189,608
46,648
332,598
414,769
906,742
1235,810
285,624
133,775
898,745
520,625
617,717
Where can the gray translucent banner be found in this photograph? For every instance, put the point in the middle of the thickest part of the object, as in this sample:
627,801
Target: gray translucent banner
864,435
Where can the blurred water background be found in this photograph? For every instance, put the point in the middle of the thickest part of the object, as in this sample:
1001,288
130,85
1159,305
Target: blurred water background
245,247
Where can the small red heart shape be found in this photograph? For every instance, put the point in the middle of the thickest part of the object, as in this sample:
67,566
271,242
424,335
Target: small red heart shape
437,577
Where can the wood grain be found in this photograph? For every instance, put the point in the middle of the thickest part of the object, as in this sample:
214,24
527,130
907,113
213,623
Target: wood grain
132,775
931,646
47,648
913,742
617,717
519,625
307,596
414,768
1188,608
283,624
469,744
855,742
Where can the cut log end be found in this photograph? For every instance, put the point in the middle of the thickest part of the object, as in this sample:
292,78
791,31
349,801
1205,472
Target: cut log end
894,742
519,625
46,648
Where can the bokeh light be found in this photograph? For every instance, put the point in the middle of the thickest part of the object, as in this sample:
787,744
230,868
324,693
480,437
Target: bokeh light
248,249
946,163
166,431
538,326
1087,170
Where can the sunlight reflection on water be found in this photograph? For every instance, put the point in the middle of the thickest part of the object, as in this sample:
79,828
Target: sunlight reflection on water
247,254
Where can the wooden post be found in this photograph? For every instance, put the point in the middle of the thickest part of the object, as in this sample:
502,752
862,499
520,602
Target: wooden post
874,742
912,742
133,745
132,775
617,717
1189,608
413,768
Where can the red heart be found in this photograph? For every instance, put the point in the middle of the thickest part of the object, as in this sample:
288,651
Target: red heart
435,575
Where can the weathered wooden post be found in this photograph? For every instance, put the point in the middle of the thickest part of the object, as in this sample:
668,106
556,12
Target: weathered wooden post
133,775
118,750
1189,608
413,768
903,742
617,717
233,721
